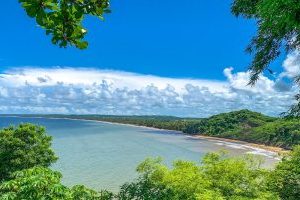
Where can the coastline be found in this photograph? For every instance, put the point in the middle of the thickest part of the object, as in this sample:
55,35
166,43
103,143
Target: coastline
278,150
273,149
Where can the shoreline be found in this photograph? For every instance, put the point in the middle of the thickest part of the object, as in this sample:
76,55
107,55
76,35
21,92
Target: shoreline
273,149
278,150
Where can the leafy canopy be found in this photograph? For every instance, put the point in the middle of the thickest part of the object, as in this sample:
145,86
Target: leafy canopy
23,147
25,155
285,178
62,19
216,178
42,183
278,24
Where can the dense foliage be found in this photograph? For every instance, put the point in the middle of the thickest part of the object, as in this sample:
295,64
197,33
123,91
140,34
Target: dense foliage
241,125
285,179
23,147
63,19
42,183
278,24
283,133
216,178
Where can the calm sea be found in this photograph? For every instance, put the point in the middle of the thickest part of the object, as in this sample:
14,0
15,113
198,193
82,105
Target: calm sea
104,156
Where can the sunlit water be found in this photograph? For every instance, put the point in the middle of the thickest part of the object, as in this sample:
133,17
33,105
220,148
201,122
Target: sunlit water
104,156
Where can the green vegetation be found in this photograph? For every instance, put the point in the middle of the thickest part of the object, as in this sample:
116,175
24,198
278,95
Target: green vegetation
278,26
42,183
63,19
241,125
24,147
217,177
283,133
25,155
284,180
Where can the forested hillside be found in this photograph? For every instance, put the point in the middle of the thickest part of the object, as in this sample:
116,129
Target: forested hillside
242,125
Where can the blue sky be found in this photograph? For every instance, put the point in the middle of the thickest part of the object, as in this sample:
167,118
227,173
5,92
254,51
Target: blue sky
173,48
166,38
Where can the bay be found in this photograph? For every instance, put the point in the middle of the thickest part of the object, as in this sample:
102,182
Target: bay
104,156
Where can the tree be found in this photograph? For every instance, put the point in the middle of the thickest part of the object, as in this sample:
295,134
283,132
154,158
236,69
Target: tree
146,187
63,19
295,109
216,178
25,155
278,24
285,179
42,183
23,147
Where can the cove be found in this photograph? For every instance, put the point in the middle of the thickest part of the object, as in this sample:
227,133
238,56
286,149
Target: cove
104,155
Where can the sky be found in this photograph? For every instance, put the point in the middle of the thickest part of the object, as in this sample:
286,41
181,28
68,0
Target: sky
146,58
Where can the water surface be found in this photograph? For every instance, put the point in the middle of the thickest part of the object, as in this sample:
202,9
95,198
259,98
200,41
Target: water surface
104,156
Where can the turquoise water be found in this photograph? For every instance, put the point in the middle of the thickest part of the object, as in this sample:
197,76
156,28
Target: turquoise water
104,156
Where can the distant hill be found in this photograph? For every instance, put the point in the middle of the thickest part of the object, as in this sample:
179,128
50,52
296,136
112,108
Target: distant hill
250,126
225,123
242,125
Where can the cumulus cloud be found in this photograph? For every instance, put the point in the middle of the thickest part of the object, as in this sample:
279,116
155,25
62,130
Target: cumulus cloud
92,91
291,65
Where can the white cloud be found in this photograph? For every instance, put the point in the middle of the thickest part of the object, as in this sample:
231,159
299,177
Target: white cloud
85,77
291,65
83,91
240,81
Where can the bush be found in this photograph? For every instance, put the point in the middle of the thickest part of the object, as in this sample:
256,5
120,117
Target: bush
24,147
216,178
285,179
